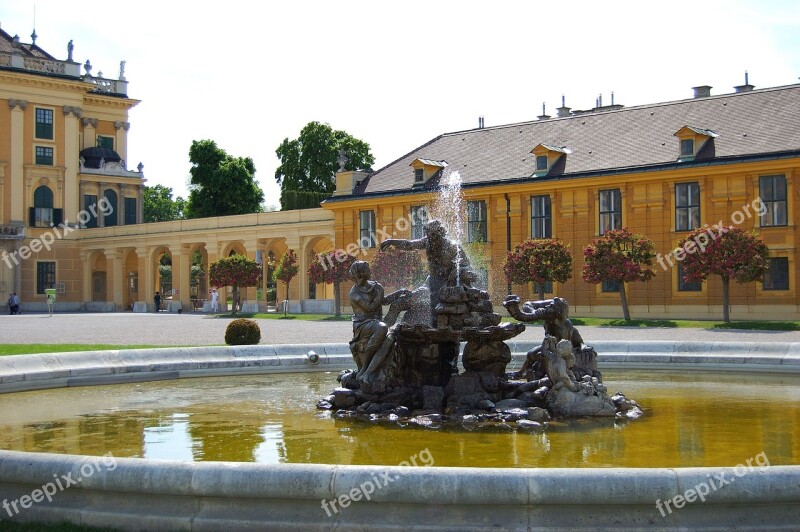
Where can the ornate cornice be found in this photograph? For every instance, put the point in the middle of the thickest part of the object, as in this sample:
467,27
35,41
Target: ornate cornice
22,104
90,122
77,112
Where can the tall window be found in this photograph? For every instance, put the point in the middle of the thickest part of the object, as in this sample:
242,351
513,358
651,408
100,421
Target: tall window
548,287
419,217
367,235
541,217
683,286
772,190
130,211
776,276
42,207
687,206
476,221
110,216
44,123
45,276
90,206
44,155
610,210
105,142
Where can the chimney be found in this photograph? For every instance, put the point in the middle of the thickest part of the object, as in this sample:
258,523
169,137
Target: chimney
544,115
702,91
746,87
563,110
480,122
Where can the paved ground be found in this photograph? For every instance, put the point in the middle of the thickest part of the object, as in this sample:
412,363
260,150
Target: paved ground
202,329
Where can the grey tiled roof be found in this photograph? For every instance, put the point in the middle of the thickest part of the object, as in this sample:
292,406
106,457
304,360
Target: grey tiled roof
749,123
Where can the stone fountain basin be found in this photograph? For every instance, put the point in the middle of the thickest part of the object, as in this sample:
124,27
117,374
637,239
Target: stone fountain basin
167,495
422,334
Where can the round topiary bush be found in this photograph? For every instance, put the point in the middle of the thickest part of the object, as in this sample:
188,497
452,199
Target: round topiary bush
242,332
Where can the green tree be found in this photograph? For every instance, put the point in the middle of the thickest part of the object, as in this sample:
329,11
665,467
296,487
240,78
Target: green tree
539,262
159,206
733,253
285,271
332,267
221,185
235,271
310,162
619,256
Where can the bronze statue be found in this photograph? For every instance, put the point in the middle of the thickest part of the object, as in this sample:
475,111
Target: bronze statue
371,341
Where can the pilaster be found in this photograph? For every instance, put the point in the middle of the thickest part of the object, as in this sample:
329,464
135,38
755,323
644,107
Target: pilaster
16,185
89,135
72,133
121,142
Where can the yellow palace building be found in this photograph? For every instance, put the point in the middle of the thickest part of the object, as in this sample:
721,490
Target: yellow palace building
71,206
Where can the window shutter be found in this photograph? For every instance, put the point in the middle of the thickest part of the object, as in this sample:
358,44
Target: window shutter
58,215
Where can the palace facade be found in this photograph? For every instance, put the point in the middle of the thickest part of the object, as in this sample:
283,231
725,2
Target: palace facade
71,209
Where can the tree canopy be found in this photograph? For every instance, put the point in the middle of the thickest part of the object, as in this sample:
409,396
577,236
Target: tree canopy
309,164
159,206
619,256
539,262
235,271
731,253
332,267
220,184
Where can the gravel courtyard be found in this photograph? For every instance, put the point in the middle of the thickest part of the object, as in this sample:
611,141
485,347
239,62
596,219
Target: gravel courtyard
202,329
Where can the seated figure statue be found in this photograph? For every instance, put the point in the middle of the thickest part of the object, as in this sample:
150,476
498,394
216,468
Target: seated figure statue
371,341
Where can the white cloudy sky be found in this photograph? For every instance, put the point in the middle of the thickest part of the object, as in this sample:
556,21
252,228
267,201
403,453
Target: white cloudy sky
396,74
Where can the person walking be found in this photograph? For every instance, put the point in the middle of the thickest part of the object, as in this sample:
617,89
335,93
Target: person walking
214,300
51,300
157,299
13,303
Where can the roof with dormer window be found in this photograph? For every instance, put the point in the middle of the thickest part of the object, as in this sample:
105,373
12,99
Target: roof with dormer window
746,125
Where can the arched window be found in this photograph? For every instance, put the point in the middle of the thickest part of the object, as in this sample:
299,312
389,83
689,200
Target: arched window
110,216
42,211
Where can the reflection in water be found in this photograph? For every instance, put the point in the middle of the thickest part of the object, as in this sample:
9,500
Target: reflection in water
691,420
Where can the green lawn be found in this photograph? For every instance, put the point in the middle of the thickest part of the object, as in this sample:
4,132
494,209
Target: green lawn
697,324
26,349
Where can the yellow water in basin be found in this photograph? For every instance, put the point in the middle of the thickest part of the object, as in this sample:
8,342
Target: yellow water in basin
699,419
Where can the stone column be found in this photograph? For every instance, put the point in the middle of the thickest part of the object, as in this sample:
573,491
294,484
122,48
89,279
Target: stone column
250,293
121,205
89,136
121,142
181,274
140,204
72,133
145,265
116,284
87,275
16,186
101,220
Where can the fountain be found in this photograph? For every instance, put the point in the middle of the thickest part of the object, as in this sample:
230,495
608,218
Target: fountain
407,369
